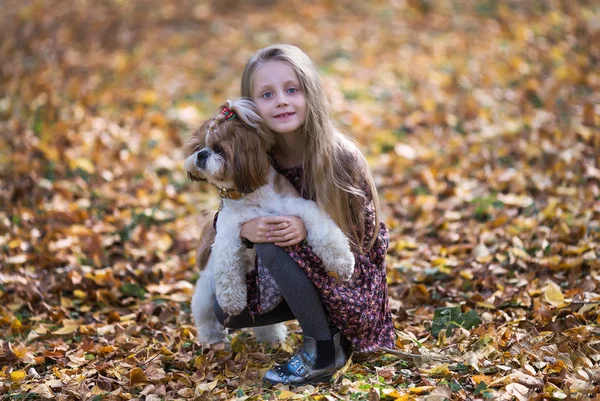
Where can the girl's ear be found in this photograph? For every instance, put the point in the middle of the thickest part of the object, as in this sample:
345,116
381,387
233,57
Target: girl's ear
251,162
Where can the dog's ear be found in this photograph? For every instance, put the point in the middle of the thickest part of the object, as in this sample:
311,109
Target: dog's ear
251,162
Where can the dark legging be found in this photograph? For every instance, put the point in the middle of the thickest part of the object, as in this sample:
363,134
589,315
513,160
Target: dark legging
302,301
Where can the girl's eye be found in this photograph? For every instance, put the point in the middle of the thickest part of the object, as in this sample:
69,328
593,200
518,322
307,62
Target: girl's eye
292,90
267,95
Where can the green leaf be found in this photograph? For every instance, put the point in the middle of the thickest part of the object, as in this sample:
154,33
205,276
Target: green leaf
449,318
470,319
455,386
133,290
480,388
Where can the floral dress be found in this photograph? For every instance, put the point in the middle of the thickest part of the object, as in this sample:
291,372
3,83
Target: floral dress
358,307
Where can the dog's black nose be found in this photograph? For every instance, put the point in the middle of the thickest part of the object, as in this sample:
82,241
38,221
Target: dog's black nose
202,158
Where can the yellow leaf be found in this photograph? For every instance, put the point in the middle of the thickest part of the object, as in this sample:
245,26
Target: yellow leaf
68,329
440,371
466,274
576,251
137,375
519,253
83,164
481,378
18,375
570,263
107,349
429,105
79,294
439,262
445,270
120,61
553,294
486,305
406,244
421,390
16,325
41,330
284,395
551,261
148,97
164,242
66,302
393,393
207,386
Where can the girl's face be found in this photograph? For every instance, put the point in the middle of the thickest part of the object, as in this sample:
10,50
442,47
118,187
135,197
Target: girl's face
279,97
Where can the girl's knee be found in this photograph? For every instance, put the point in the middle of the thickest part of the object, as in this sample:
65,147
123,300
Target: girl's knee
269,253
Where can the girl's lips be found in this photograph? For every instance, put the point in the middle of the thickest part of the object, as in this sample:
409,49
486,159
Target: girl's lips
284,116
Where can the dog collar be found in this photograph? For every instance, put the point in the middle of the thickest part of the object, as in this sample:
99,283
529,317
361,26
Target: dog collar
230,193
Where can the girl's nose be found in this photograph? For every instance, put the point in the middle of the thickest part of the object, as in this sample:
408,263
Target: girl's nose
281,100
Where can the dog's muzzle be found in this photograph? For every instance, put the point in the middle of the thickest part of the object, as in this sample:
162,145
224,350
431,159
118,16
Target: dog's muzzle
202,158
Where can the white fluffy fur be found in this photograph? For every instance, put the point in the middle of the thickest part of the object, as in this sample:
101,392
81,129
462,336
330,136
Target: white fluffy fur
224,275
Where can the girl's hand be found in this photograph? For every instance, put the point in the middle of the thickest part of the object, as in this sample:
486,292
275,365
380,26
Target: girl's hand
293,233
256,230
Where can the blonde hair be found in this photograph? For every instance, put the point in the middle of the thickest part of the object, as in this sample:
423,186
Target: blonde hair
340,191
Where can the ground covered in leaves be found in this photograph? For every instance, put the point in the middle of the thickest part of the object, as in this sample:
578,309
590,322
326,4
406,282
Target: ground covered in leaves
481,122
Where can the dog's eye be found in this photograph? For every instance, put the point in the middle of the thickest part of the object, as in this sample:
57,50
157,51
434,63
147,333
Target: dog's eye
218,150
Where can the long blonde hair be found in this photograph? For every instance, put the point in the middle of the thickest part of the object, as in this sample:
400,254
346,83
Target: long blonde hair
340,191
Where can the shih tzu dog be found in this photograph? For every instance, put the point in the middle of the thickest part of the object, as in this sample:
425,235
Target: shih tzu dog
230,152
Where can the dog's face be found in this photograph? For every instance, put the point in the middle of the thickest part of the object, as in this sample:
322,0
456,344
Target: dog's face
228,154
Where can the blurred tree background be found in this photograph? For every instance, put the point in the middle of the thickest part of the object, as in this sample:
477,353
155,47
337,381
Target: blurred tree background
480,120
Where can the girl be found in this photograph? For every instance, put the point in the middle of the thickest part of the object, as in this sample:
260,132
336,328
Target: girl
328,168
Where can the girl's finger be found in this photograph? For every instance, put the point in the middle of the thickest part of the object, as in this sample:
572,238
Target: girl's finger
282,233
286,237
280,226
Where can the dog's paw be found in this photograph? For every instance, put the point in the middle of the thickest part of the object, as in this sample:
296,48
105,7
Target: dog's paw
272,334
210,334
342,267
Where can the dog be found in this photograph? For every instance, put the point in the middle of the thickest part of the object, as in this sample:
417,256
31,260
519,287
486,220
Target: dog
230,152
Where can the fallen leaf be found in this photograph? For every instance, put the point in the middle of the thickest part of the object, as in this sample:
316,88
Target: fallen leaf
553,294
18,375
